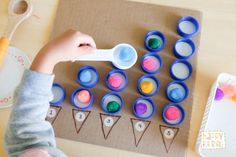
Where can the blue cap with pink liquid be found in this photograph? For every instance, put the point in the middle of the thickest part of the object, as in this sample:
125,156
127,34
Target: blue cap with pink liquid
151,63
173,114
116,80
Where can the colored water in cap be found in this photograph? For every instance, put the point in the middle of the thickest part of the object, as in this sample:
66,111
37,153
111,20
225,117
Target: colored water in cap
172,113
126,54
228,90
177,91
219,94
113,107
146,87
150,64
82,99
143,108
83,96
140,108
85,76
177,94
115,81
112,103
154,43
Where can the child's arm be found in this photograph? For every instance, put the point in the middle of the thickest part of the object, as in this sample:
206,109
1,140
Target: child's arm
27,127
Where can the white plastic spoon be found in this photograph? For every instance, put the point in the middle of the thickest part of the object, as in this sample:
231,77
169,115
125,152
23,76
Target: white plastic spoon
123,56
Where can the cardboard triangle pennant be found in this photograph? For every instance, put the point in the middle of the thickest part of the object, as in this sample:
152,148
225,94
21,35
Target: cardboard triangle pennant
108,122
53,113
168,135
79,118
139,128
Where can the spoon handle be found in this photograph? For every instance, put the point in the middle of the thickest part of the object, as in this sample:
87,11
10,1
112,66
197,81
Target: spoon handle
99,55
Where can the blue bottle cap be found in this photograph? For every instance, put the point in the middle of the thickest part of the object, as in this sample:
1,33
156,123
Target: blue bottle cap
144,108
177,91
87,76
187,26
59,94
80,104
116,80
151,63
155,41
112,97
181,70
173,114
151,88
184,48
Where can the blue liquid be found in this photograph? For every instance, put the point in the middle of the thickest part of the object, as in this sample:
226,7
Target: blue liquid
85,76
126,54
177,94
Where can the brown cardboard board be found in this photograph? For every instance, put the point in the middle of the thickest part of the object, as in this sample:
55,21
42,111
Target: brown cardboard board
111,22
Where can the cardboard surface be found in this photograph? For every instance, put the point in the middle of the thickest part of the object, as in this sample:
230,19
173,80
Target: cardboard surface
111,22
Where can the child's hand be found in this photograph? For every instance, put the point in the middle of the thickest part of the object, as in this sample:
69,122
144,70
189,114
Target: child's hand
68,47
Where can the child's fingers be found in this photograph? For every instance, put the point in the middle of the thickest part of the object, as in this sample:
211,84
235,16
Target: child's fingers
84,39
81,39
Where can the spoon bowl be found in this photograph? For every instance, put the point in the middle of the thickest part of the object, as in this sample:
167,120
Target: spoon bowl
123,56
